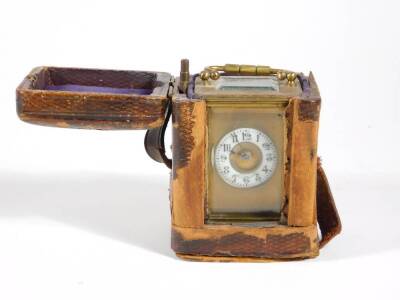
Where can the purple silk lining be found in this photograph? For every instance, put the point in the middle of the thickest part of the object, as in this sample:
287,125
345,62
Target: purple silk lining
97,89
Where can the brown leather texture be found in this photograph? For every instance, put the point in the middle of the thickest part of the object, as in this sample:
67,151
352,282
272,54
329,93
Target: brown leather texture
300,172
188,186
39,103
328,216
272,243
232,241
192,237
308,197
90,77
239,244
183,119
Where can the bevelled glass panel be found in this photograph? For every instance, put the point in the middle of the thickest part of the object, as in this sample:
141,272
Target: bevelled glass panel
245,163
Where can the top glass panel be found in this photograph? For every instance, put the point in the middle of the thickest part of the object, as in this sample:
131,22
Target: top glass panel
255,87
253,83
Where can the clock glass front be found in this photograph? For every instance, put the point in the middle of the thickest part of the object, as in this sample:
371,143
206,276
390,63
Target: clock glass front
245,153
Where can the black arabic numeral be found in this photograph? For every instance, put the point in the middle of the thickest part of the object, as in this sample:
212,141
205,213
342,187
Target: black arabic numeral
266,146
265,169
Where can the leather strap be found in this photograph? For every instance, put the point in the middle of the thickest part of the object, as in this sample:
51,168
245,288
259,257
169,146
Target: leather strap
154,140
327,214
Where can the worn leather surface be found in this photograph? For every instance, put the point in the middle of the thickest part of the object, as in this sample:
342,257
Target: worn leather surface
286,242
93,99
327,214
100,78
97,89
108,99
278,242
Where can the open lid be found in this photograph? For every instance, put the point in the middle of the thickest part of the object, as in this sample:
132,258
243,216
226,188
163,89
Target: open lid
93,98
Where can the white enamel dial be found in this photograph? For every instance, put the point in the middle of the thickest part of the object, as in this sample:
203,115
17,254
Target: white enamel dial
245,158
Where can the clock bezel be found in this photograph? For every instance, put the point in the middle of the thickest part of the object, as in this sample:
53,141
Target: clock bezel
231,166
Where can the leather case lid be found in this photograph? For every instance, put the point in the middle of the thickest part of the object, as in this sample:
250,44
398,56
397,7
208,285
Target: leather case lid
93,98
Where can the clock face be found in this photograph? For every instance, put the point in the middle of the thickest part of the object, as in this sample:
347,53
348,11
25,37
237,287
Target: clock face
245,158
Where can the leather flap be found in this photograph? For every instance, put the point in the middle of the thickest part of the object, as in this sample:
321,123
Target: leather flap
328,216
93,98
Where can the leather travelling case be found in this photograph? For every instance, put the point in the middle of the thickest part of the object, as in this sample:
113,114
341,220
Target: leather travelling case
306,217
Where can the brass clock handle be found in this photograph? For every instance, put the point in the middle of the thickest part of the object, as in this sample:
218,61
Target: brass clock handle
214,72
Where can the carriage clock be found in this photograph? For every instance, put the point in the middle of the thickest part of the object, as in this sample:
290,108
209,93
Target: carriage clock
246,181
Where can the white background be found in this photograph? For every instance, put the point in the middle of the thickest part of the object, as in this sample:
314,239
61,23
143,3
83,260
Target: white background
84,214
